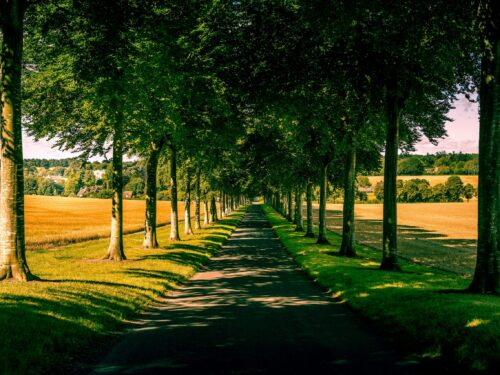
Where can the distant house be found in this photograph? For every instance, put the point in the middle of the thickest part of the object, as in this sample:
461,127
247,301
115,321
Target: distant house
82,192
99,174
85,191
128,195
367,190
59,179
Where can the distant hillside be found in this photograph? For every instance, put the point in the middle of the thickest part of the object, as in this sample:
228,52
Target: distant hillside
441,163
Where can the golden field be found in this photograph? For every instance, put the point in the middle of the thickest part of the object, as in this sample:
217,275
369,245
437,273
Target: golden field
53,221
433,180
442,235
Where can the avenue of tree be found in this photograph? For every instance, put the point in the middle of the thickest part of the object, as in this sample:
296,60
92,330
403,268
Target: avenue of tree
248,98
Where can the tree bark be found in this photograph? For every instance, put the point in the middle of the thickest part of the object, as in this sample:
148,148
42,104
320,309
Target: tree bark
187,206
390,220
221,204
310,221
197,219
322,238
174,212
213,209
13,263
299,220
150,238
206,214
487,272
348,224
289,213
115,249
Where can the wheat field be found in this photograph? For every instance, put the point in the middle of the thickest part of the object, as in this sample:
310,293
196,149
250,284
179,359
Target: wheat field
442,235
54,221
433,180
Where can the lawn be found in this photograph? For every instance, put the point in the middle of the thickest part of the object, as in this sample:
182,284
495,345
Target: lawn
73,315
54,221
422,308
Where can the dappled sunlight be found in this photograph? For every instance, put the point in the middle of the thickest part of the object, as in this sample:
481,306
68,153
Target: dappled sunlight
362,295
390,285
476,322
279,301
369,264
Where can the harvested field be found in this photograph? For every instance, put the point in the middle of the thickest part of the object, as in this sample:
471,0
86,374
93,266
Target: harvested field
441,235
433,180
54,221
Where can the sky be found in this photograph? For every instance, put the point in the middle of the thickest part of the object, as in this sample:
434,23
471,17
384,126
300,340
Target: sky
463,135
463,132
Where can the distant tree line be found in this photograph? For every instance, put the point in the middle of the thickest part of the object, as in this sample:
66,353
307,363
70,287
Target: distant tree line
441,163
419,190
67,177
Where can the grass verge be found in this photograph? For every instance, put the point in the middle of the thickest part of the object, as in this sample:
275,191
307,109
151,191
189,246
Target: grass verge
73,315
421,308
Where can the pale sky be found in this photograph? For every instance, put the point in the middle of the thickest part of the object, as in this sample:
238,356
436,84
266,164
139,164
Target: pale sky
463,135
463,132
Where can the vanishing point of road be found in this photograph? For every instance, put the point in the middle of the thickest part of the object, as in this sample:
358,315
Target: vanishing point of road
253,311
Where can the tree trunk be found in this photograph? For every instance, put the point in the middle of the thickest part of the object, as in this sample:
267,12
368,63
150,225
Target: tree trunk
197,219
390,220
310,222
206,214
277,204
348,224
221,204
299,221
115,249
213,209
487,273
322,238
289,213
174,213
13,263
294,198
150,239
187,206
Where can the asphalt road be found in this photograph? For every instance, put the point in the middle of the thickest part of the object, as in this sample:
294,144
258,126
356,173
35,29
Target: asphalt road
252,311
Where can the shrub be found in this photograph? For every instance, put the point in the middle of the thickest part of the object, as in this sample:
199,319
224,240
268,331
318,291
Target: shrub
163,195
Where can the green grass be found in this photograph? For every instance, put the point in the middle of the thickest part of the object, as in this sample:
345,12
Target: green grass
73,315
420,308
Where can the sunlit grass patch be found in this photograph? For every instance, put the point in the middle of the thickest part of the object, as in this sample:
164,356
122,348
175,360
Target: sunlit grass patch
424,309
82,301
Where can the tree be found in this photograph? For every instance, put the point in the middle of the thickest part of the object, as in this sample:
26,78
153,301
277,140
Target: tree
13,263
410,166
422,71
49,187
85,77
88,178
379,191
415,190
487,273
469,192
174,211
439,193
454,189
30,185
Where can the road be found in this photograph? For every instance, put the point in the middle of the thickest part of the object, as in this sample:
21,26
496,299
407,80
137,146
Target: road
252,311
